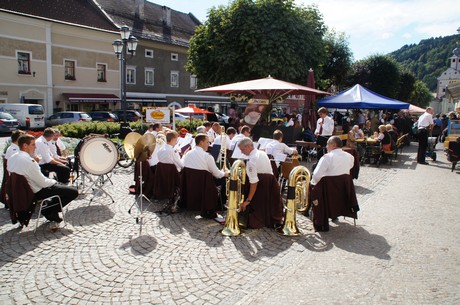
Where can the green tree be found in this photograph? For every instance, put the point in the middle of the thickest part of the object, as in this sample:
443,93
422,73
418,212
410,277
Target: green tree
253,39
406,86
339,60
379,73
421,95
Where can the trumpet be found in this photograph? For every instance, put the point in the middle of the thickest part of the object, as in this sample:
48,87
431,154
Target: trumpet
296,199
235,198
223,149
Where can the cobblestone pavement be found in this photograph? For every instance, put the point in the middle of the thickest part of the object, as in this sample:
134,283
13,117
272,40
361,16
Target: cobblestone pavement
404,249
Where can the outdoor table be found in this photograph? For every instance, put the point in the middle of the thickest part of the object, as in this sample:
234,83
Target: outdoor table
307,144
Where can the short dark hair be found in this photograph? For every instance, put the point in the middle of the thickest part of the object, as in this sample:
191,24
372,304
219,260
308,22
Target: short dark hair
170,135
230,130
25,139
335,140
48,132
16,134
200,138
206,124
277,134
156,125
245,128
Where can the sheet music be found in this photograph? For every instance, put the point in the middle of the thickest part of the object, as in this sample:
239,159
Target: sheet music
264,141
182,142
238,154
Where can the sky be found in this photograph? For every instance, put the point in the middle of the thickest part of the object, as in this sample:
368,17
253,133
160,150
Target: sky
371,26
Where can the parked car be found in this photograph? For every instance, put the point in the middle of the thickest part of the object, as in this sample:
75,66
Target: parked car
67,117
29,115
104,116
131,115
8,123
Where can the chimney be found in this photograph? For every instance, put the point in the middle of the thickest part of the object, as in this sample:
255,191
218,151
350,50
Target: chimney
139,9
166,16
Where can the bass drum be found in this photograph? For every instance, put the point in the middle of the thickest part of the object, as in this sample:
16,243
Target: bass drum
98,155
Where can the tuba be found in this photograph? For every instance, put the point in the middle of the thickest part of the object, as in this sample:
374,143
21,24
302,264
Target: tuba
296,199
235,198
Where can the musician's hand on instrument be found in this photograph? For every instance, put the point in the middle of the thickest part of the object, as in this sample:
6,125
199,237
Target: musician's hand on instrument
295,152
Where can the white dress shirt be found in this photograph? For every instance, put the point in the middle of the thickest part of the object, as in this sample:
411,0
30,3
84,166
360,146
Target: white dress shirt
60,144
169,156
212,135
425,120
153,160
328,126
53,149
275,148
23,164
335,163
258,163
12,149
197,158
43,150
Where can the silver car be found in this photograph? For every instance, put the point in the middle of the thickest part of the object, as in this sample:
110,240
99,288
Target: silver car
67,117
8,123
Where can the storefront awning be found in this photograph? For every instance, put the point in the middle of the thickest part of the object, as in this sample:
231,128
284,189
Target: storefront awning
91,97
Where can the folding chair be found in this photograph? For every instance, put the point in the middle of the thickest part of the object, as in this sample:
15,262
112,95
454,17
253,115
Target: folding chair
47,203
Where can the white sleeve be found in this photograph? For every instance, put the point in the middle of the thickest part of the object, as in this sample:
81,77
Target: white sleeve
37,177
212,167
251,171
321,169
287,150
177,161
43,150
328,127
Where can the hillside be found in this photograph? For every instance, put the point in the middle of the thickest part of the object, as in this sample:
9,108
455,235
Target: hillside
427,59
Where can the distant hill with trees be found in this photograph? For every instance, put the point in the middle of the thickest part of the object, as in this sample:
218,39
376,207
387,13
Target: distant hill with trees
427,59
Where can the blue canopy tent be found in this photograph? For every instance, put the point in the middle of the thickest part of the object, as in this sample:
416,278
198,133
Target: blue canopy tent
358,97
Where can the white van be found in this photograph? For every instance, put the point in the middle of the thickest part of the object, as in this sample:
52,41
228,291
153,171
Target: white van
30,116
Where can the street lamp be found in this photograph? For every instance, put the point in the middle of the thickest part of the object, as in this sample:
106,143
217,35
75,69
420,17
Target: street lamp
121,47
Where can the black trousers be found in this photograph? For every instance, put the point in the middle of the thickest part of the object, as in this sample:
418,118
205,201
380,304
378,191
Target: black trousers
321,141
62,172
422,145
67,194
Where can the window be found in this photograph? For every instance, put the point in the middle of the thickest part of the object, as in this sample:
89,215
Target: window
23,63
175,79
101,73
193,82
149,53
149,77
69,69
131,75
174,56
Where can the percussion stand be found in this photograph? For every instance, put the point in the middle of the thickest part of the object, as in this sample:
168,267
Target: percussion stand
139,200
99,183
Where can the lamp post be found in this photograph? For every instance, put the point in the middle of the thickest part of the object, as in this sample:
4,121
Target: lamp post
127,44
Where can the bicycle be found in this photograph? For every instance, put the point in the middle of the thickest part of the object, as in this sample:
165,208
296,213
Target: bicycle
123,159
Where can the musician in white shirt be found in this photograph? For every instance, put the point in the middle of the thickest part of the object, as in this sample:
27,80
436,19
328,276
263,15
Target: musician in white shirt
48,163
198,158
335,163
277,147
13,148
324,129
154,129
168,155
214,132
244,133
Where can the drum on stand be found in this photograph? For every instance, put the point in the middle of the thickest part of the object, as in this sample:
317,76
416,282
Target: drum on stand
98,155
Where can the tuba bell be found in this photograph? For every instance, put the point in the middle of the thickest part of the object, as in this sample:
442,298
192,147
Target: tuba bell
296,199
235,198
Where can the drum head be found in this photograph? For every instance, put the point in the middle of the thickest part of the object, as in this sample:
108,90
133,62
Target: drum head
98,156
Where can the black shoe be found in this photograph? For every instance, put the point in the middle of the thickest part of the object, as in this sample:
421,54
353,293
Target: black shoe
54,218
278,226
424,163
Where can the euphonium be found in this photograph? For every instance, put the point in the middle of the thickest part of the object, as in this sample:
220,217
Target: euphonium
223,149
296,199
235,198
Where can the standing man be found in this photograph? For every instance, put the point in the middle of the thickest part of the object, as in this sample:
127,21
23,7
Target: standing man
264,199
23,164
425,123
324,129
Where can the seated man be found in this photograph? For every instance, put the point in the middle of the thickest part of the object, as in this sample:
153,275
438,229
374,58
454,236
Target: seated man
214,132
23,164
154,129
13,148
278,147
167,179
340,200
244,133
48,162
264,199
199,190
60,147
